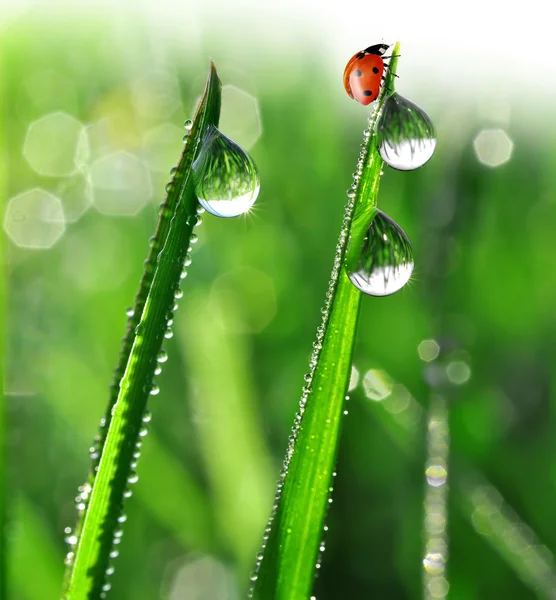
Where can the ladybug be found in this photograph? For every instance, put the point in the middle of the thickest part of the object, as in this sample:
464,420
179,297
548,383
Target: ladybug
363,74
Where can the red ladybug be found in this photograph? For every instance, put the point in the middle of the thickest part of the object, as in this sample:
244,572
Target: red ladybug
363,73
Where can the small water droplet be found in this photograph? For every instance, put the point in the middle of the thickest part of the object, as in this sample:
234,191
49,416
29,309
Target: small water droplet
178,294
168,334
188,124
155,390
128,493
130,311
406,135
380,259
133,478
436,475
226,178
158,370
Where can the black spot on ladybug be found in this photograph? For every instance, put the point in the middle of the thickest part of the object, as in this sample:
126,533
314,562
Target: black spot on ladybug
367,93
357,73
360,55
375,70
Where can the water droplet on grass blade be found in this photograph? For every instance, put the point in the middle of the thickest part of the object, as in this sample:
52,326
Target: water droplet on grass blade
406,135
226,178
381,260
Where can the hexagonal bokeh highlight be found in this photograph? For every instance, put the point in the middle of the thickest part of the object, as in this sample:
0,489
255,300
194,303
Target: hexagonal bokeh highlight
156,94
51,144
162,147
121,184
76,196
246,287
240,118
428,350
34,219
458,372
493,147
377,384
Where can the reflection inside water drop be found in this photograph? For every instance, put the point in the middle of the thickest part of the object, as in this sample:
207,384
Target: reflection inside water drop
406,135
226,178
381,262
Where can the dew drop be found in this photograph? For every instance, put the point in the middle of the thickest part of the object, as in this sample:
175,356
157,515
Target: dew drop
406,135
130,311
168,334
226,178
133,478
178,294
188,124
380,259
155,390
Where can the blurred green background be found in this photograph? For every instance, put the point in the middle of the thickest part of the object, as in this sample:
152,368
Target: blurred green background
92,115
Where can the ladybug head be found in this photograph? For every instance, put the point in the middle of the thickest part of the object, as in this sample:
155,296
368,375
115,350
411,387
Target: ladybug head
379,49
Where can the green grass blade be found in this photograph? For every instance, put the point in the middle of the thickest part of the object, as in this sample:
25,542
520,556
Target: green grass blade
87,575
290,553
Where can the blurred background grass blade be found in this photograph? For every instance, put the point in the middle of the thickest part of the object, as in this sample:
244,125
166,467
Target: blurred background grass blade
233,448
485,510
33,543
101,528
290,553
